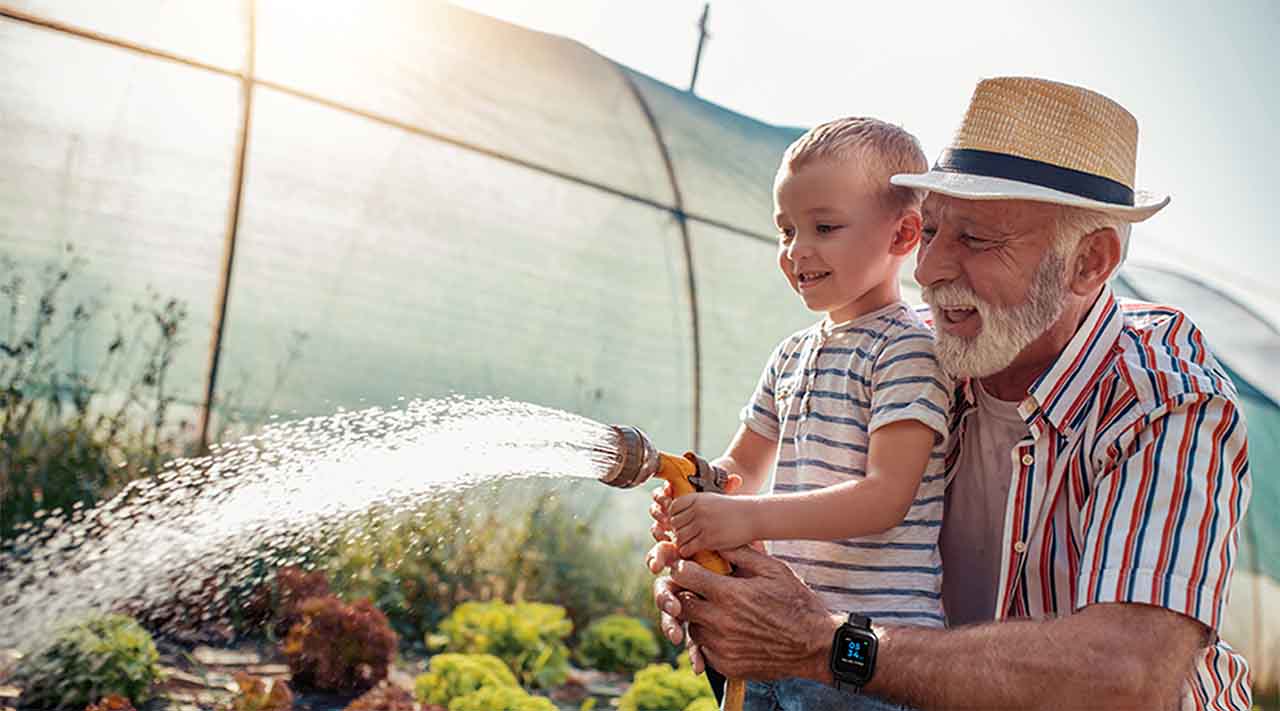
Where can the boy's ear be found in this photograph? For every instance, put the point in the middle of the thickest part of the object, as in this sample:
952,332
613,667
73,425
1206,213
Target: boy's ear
906,234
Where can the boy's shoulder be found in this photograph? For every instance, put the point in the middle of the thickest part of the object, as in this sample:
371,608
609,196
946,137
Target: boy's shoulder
887,325
793,340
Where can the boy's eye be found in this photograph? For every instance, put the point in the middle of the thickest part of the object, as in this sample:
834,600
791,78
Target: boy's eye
826,229
786,233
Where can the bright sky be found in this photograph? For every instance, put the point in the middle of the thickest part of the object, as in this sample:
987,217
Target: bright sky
1200,77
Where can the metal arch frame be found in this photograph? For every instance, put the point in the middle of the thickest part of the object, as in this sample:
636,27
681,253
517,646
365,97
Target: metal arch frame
247,76
233,225
682,221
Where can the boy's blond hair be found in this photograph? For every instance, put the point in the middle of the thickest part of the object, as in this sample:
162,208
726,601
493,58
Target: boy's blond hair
880,149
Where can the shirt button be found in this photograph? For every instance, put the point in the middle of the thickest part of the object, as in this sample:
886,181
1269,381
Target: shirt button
1020,547
1027,459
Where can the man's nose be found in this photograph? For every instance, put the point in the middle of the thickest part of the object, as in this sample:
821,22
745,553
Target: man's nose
936,262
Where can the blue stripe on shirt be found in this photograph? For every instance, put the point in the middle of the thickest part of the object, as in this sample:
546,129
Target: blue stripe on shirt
817,563
878,592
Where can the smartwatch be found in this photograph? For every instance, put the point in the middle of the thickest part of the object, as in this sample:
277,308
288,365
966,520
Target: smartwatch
853,653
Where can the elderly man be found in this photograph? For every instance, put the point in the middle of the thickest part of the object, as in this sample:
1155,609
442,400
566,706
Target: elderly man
1099,466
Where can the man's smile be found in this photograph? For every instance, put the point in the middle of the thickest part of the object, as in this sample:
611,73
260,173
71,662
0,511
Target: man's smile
959,320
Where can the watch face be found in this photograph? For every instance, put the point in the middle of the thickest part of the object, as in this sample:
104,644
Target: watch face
853,653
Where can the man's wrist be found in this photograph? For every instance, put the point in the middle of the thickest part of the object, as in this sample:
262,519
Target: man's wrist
820,649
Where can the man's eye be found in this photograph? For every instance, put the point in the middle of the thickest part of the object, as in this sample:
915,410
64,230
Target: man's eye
974,241
826,229
927,234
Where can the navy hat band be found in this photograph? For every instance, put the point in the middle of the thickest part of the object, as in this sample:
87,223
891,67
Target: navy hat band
1026,170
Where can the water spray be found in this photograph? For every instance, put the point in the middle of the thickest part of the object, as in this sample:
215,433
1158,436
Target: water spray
634,461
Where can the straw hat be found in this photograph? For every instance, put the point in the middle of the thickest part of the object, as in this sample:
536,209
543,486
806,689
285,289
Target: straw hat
1031,139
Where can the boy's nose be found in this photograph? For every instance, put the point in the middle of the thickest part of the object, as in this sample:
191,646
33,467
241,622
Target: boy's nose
798,248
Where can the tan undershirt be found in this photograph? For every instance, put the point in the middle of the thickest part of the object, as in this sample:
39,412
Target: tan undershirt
973,525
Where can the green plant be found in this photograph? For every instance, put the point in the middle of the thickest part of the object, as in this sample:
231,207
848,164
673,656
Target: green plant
617,643
107,654
703,704
528,636
659,687
256,694
62,444
418,566
452,675
339,647
87,403
501,698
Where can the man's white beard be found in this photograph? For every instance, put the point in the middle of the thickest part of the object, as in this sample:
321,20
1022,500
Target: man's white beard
1006,330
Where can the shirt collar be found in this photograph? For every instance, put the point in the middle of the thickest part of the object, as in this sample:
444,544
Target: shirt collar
1058,389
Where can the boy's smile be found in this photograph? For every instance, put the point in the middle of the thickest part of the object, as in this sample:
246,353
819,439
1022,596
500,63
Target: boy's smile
834,239
808,280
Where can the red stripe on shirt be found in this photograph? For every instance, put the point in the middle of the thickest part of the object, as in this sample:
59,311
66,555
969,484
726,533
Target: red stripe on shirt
1200,565
1171,520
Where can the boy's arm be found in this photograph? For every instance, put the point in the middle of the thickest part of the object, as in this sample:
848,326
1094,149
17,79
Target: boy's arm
749,455
896,460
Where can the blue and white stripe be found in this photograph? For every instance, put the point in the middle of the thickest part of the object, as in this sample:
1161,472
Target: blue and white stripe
824,391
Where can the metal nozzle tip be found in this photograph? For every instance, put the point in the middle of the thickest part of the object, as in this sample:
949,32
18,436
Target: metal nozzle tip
635,458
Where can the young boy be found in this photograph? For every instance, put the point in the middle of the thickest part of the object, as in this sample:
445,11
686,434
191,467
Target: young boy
851,413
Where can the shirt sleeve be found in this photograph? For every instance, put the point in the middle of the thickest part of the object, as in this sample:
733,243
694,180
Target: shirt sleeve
907,384
1161,525
761,411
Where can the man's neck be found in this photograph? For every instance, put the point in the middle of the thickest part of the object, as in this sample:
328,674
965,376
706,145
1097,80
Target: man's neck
1013,383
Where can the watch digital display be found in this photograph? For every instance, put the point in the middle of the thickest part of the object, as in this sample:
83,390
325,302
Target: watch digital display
856,651
853,654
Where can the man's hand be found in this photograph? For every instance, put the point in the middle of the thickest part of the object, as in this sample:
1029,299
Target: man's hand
711,522
760,623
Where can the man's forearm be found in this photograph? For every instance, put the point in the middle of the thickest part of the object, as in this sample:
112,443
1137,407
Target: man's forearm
1124,657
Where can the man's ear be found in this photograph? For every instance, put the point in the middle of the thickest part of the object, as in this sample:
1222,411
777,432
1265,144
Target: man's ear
906,234
1097,257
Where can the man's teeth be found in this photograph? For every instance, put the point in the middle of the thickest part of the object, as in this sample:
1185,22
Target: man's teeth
957,313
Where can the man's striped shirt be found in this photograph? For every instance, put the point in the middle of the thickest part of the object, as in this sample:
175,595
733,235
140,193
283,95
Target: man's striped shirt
823,393
1131,485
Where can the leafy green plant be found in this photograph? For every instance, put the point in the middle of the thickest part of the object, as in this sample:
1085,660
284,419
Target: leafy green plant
418,566
62,443
501,698
659,687
99,656
449,676
87,403
527,636
617,643
339,647
703,704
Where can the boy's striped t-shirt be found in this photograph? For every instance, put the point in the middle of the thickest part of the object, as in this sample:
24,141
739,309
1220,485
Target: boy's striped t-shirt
824,391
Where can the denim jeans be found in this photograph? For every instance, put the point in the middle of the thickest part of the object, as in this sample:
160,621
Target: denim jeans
806,695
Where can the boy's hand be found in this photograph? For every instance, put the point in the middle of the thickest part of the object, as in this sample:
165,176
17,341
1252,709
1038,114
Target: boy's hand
710,522
660,509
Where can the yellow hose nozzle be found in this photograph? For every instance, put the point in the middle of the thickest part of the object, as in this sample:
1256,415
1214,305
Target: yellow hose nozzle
635,461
